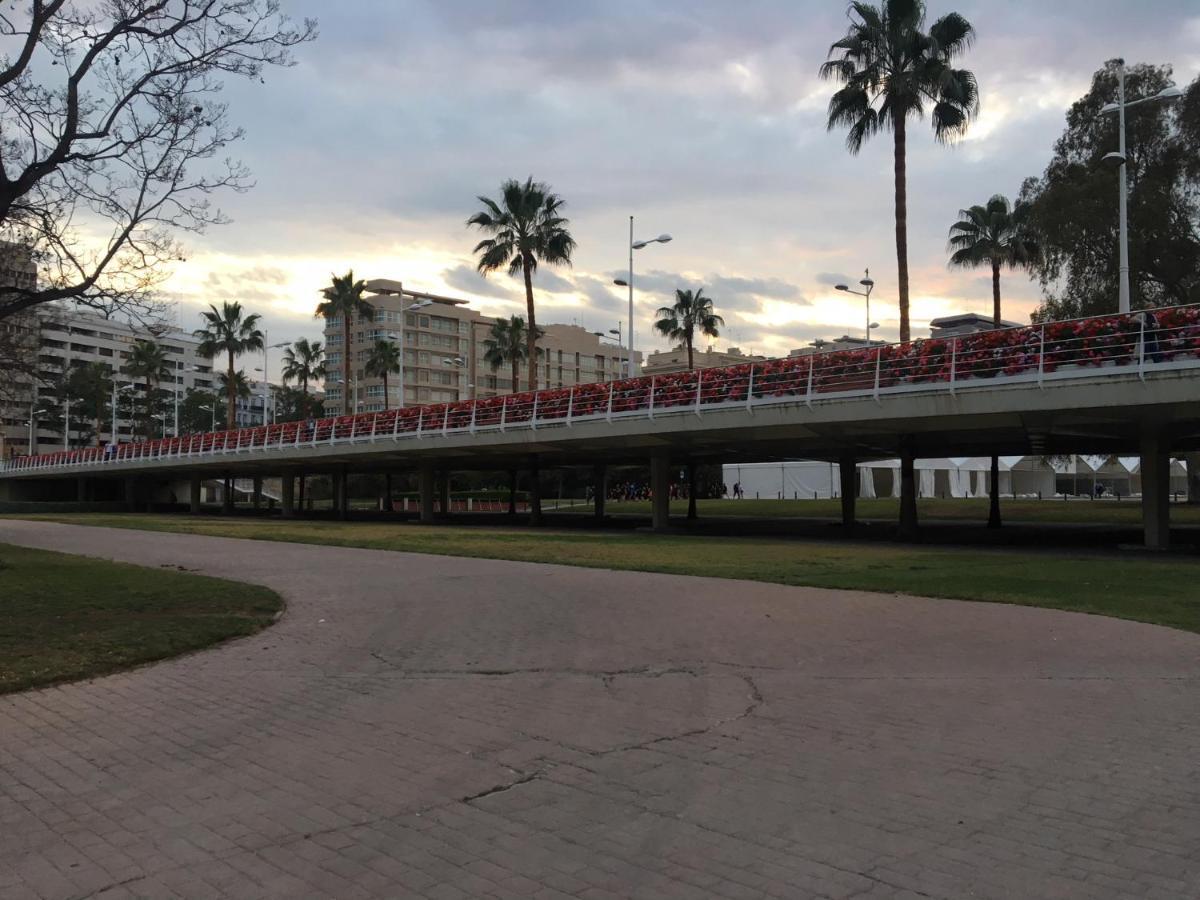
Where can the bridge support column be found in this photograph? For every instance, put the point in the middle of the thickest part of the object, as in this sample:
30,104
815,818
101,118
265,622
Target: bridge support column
83,489
227,497
848,470
425,488
341,496
444,493
257,495
691,489
599,488
512,492
194,485
535,493
131,494
908,492
287,496
1156,491
660,492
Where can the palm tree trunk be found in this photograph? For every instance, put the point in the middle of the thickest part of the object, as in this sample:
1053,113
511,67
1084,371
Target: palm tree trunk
516,364
996,294
346,363
230,396
385,391
901,229
994,491
691,357
531,324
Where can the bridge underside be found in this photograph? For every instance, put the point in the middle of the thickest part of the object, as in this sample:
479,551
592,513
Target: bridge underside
1153,418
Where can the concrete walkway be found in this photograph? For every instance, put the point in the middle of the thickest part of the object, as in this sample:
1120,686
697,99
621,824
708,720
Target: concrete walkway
420,726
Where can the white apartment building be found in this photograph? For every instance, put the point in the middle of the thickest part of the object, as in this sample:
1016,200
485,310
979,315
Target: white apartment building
66,336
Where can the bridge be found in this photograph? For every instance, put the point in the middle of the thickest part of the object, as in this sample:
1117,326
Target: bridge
1109,384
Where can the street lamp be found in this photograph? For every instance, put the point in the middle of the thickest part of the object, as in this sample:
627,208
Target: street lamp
616,332
1119,159
459,363
636,245
870,286
267,348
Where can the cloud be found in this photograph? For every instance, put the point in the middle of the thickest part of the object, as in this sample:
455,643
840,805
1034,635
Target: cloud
699,117
467,279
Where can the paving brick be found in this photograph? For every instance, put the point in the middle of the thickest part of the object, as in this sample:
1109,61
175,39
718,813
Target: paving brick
428,727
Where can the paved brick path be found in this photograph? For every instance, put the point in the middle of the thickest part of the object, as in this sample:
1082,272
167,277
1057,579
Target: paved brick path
420,726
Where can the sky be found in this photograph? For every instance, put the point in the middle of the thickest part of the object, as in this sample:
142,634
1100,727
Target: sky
704,119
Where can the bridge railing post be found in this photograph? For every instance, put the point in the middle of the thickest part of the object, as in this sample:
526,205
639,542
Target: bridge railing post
533,418
503,413
446,420
608,414
878,361
570,405
652,381
699,382
953,364
1142,350
1041,354
474,407
812,361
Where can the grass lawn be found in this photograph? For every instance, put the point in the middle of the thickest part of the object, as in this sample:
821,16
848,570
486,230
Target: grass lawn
64,617
1158,590
1107,512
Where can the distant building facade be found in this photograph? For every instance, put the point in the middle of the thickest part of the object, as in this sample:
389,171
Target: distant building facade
444,344
664,362
64,337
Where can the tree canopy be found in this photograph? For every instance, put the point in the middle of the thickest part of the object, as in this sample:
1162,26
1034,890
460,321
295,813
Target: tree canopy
1073,204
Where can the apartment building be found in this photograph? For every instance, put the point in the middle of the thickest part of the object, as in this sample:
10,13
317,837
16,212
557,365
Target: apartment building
63,336
444,344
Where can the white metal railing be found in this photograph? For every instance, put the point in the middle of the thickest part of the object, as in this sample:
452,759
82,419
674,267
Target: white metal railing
1138,343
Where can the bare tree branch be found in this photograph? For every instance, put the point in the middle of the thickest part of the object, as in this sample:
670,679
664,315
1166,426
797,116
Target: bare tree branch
112,136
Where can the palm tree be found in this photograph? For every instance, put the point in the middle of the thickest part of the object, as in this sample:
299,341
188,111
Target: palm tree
344,300
996,235
383,360
890,70
526,229
692,312
148,360
303,362
241,391
227,330
508,343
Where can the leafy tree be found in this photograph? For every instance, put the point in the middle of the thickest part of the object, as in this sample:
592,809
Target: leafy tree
228,330
1073,205
90,386
384,360
691,313
995,235
304,362
293,404
508,344
148,360
891,69
344,300
195,418
118,130
526,229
